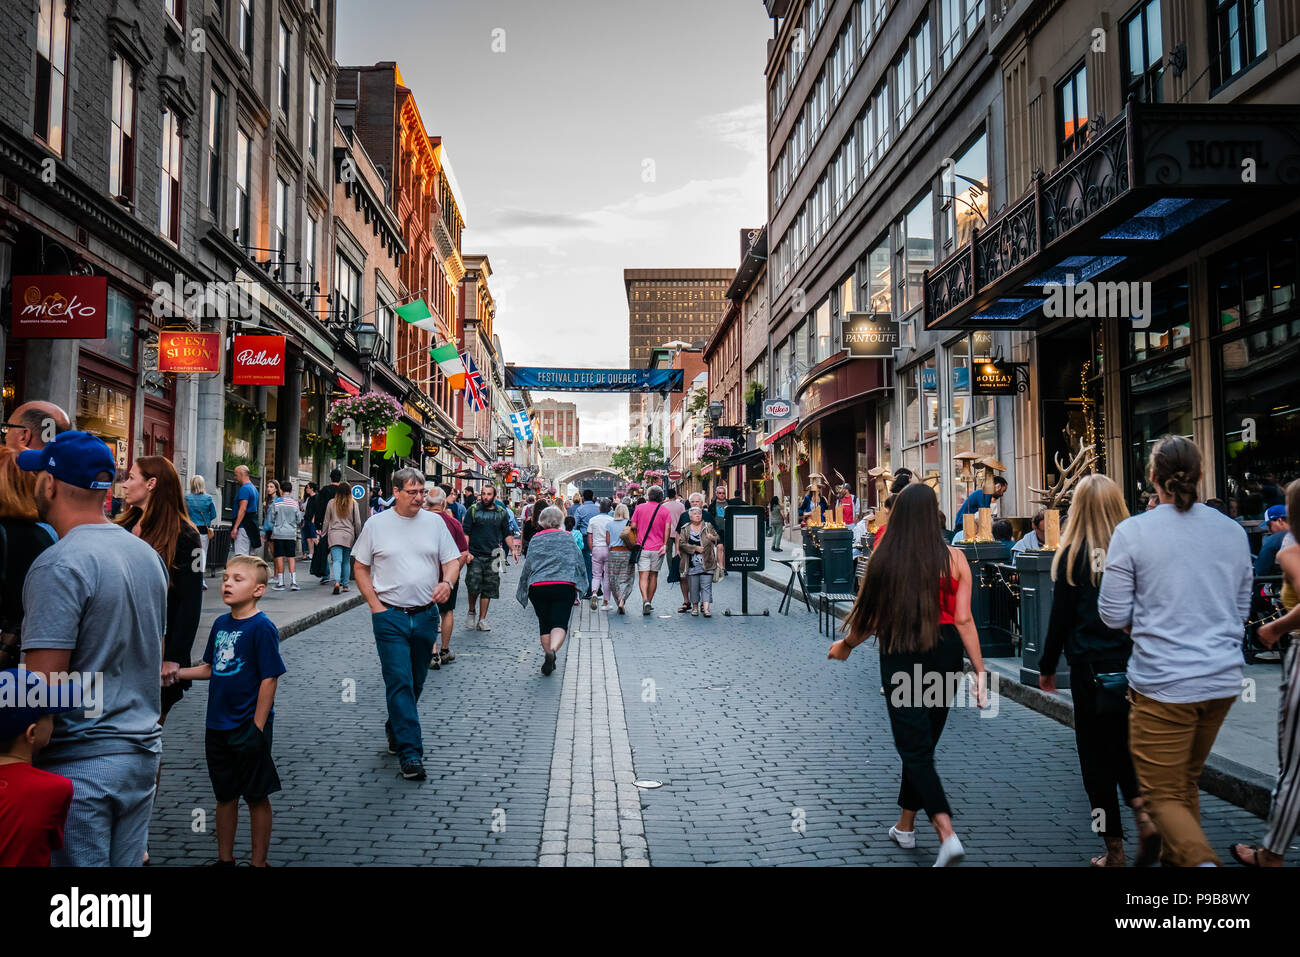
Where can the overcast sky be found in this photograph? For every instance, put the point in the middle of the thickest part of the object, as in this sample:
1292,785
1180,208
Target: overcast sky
607,134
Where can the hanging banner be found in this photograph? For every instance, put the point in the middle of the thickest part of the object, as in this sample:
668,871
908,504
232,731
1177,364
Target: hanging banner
595,380
60,307
870,334
259,360
189,352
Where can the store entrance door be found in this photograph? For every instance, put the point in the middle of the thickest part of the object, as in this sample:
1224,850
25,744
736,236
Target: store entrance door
157,432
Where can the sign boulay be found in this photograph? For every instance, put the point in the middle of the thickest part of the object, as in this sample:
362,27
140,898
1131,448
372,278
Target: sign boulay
60,307
259,360
870,334
777,409
189,352
998,378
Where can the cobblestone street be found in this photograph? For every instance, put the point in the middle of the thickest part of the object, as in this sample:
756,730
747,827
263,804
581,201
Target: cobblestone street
767,753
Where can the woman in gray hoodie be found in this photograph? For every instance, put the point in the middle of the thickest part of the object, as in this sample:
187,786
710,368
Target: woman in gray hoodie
553,569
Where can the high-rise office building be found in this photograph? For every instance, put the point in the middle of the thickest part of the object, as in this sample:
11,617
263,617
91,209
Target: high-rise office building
558,421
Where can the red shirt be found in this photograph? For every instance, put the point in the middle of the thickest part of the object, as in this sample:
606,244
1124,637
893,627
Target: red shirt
457,530
846,509
33,809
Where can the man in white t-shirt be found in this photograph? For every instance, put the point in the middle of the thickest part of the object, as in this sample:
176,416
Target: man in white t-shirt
404,562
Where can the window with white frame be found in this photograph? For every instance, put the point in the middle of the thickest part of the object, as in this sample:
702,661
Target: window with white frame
243,172
347,288
216,116
246,28
282,60
280,221
121,147
51,73
309,255
169,186
176,10
958,21
875,279
313,116
386,320
913,73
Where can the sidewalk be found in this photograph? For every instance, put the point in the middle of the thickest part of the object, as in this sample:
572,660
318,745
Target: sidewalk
1243,764
291,611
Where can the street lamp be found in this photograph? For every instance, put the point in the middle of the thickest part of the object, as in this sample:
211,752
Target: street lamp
715,415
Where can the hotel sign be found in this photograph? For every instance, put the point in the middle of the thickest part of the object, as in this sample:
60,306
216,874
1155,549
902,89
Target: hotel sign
870,335
189,352
60,307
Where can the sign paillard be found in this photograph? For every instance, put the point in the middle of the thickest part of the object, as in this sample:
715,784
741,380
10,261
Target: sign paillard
60,307
189,352
258,360
870,335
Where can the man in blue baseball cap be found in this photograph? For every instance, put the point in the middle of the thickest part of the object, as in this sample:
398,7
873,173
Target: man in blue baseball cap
33,804
1275,518
96,604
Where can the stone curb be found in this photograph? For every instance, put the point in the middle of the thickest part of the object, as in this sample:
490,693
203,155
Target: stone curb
320,615
1224,778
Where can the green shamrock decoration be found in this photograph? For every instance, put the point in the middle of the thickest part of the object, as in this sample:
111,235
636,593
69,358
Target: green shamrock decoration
399,441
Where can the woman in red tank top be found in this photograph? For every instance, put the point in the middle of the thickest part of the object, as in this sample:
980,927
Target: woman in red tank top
915,599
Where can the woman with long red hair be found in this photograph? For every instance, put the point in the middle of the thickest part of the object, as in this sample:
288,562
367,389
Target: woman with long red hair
155,511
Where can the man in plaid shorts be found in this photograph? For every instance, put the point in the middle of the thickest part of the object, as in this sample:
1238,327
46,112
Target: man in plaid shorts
487,526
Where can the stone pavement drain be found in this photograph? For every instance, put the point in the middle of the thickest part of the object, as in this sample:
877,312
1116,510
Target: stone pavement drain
593,811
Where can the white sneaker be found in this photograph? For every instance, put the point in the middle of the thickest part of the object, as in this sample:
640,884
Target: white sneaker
483,627
470,624
293,586
278,586
951,853
906,839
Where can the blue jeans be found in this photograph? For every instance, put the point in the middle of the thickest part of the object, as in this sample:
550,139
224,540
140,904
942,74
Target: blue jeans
340,563
405,644
112,802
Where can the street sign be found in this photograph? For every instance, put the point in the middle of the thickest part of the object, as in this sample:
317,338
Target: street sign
675,475
870,334
358,492
777,409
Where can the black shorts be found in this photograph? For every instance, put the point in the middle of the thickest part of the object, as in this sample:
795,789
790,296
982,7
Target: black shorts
553,604
450,603
239,762
284,548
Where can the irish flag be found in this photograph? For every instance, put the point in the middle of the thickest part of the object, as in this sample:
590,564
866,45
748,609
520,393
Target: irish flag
417,314
449,361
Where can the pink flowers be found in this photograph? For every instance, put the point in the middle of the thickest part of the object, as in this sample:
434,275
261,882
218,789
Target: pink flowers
370,412
713,450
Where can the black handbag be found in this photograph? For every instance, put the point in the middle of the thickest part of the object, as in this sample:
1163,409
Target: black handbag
634,551
1112,691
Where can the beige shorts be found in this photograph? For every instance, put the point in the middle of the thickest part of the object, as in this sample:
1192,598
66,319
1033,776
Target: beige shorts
649,561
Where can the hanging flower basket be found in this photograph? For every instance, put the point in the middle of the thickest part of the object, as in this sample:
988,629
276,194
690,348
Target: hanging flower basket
713,450
652,475
370,412
633,488
502,467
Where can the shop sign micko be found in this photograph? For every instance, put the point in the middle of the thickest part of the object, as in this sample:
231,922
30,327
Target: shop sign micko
258,360
60,307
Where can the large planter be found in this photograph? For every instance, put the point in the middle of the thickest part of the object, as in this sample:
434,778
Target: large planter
992,618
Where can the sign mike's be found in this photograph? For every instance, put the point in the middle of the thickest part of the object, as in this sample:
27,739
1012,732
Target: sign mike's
60,307
258,360
187,352
870,334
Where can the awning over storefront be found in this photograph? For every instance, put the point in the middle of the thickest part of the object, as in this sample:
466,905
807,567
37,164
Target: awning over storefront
782,433
351,388
748,457
1153,184
839,383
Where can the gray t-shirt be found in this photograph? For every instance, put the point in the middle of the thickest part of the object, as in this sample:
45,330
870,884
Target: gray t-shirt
1182,581
102,593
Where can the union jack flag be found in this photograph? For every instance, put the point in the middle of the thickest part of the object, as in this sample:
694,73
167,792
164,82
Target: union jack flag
475,390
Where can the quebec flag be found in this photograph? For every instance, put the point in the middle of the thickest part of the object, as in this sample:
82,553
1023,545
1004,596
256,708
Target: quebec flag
519,422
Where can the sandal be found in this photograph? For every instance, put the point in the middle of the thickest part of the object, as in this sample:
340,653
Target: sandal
1237,855
686,606
448,656
1149,842
1114,856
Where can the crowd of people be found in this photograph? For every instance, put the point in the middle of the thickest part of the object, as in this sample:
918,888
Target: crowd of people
1152,642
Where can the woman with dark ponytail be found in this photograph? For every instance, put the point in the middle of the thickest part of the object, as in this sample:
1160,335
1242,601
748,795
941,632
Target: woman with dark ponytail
1178,579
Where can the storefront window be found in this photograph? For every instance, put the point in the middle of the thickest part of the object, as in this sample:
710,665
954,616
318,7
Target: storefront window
119,343
1260,420
105,411
1258,283
971,417
1170,328
1160,403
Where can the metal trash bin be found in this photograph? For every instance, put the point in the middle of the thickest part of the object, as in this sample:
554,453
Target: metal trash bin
995,637
219,546
837,560
1034,569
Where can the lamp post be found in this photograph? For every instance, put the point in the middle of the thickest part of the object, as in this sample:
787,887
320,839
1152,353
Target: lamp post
367,338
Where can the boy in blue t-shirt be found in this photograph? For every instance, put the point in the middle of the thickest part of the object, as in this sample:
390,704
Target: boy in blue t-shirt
243,660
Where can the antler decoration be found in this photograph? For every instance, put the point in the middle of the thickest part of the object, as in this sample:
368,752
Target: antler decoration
1083,463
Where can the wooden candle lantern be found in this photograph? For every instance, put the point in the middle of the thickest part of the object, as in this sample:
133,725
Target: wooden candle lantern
1051,528
969,527
985,525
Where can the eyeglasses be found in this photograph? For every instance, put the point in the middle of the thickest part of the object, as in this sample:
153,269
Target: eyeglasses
417,492
4,429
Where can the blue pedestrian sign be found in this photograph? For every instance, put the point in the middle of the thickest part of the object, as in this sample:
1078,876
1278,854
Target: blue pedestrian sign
358,492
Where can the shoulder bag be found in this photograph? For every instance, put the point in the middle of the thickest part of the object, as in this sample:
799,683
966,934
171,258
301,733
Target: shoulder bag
634,551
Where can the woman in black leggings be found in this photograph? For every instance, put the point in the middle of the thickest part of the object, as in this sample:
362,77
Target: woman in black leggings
554,573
